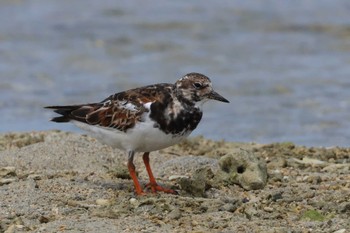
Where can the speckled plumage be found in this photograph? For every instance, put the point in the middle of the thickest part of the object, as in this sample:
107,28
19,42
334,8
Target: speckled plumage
144,119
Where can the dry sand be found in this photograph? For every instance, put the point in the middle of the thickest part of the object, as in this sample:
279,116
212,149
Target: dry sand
62,182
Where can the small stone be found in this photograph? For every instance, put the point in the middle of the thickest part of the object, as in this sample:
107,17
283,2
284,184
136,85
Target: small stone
34,177
177,177
275,175
268,209
299,179
175,214
276,196
7,181
228,207
43,219
194,187
278,162
134,201
199,183
307,160
314,179
20,227
250,212
194,223
103,202
7,171
345,207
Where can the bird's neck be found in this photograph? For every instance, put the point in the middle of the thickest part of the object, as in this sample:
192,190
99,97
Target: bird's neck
183,100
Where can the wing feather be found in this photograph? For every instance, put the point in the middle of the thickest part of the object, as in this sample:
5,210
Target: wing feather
120,111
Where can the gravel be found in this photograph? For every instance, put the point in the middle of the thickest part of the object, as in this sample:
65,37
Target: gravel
55,181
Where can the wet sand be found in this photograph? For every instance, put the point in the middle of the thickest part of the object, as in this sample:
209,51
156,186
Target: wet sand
54,181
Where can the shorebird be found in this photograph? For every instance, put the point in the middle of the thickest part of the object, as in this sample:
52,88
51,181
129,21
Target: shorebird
144,119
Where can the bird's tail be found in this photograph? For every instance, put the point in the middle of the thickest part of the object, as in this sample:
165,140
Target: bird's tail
64,111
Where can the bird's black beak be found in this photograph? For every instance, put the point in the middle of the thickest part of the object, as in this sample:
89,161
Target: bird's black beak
216,96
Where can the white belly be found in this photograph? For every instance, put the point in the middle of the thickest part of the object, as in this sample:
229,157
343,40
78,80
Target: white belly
142,138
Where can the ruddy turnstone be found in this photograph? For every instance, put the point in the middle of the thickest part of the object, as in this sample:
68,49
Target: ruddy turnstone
144,119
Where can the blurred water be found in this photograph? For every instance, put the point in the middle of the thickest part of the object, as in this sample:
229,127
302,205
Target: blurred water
284,65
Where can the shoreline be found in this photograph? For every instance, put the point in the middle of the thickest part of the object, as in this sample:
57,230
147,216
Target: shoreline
57,181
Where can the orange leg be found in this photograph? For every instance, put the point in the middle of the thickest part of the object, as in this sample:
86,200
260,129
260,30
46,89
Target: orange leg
132,172
153,184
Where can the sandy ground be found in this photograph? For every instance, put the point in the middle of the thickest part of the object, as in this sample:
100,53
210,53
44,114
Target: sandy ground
62,182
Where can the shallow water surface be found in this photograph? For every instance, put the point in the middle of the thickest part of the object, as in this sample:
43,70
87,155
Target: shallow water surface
284,66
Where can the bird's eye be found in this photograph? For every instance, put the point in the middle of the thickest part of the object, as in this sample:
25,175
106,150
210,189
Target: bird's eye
197,85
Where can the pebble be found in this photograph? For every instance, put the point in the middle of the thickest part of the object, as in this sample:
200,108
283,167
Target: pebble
194,223
103,202
277,163
7,181
307,160
20,227
276,196
276,175
176,177
134,201
195,187
35,177
175,214
43,219
228,207
345,207
314,179
268,209
7,171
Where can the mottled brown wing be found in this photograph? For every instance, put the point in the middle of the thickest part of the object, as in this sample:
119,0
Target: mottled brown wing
123,110
117,114
120,111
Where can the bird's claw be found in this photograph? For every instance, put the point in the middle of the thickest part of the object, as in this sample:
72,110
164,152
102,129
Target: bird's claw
157,188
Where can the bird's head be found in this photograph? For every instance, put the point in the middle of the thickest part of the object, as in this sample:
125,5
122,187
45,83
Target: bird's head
197,88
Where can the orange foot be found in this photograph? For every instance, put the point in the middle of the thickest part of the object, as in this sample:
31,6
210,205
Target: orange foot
155,188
